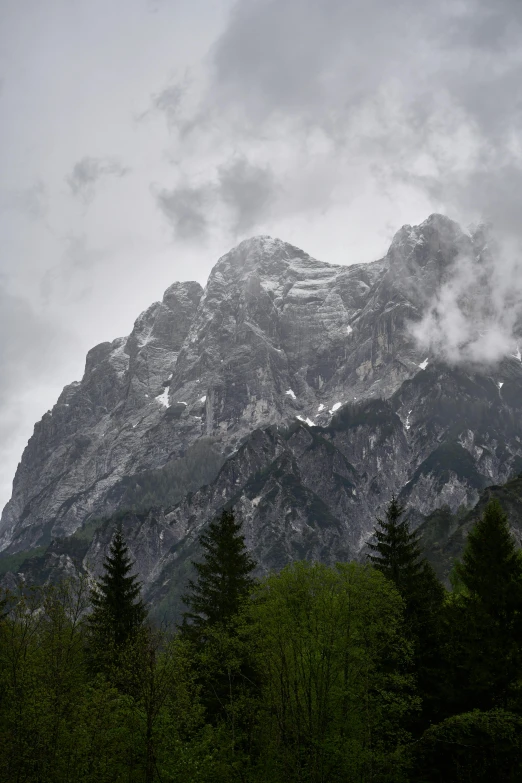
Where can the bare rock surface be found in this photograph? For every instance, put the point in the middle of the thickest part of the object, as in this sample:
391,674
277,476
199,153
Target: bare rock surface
307,379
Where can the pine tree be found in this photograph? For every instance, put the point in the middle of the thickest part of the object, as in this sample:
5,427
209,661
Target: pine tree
399,558
224,581
398,554
117,608
223,578
3,605
485,620
491,566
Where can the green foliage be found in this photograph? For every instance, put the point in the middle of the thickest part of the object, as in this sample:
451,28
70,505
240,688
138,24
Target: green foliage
214,600
444,535
117,609
397,550
310,675
224,578
474,746
491,566
398,557
229,685
332,659
42,682
60,725
484,618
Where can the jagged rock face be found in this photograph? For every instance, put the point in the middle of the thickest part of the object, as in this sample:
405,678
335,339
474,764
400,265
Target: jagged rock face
275,336
313,492
100,429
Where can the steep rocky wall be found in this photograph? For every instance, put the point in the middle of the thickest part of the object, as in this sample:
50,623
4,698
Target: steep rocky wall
277,337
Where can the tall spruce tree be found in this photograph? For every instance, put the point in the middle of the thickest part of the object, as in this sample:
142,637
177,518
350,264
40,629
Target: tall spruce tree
485,619
117,608
399,558
398,554
224,578
491,566
224,581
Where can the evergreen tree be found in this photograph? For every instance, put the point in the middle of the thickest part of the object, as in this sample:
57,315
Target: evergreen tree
117,608
224,578
491,566
3,605
399,558
398,554
214,600
485,619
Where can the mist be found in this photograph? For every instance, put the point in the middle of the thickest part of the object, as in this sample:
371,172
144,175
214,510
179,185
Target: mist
475,316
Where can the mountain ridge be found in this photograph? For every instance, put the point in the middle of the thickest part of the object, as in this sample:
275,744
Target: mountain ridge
318,358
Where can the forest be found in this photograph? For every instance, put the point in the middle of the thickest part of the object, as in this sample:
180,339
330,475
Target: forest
351,673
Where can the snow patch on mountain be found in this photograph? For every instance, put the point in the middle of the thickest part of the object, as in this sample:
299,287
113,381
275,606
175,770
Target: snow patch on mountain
163,398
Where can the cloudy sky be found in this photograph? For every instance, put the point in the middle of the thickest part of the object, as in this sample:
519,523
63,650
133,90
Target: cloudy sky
141,139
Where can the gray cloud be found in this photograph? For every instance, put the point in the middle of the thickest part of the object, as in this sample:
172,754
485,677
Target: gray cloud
335,54
396,86
26,351
72,277
28,360
248,190
296,56
88,171
186,210
244,189
475,315
423,95
31,202
365,115
169,101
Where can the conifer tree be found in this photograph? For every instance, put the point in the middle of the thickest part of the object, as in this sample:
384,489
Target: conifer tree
224,578
117,608
398,554
214,599
3,605
491,566
486,618
399,558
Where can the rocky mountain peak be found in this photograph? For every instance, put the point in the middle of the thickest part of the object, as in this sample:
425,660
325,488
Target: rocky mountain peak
267,258
275,338
421,258
437,240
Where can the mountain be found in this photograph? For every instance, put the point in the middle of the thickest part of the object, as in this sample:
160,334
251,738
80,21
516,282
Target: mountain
290,388
443,533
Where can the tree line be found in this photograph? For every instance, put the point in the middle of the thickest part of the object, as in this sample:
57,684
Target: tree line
366,672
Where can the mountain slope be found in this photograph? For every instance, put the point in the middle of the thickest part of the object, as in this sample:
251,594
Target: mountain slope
290,388
444,534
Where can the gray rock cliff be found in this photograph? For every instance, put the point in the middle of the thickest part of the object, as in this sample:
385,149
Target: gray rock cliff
306,378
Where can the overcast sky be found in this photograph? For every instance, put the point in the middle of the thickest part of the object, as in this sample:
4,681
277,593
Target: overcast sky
141,139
